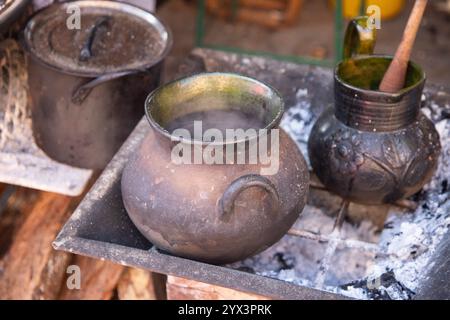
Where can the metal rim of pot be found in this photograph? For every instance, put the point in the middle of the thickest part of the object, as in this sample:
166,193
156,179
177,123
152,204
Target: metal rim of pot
161,130
25,40
11,12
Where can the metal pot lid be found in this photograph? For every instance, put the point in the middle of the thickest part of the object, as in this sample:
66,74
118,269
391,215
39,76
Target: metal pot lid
113,37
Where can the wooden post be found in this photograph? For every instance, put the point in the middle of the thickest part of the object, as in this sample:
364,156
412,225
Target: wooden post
138,284
98,280
31,269
184,289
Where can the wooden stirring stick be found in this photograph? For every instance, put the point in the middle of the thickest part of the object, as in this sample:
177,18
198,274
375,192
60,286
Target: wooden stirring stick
394,78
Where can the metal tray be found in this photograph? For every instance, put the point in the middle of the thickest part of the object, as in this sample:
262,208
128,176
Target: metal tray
101,228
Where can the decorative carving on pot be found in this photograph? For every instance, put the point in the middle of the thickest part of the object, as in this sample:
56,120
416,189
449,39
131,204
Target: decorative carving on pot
346,152
216,212
373,147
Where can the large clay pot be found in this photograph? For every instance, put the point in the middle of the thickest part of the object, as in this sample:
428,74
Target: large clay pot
217,213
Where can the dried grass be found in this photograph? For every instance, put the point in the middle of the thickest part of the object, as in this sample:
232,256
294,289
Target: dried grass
13,91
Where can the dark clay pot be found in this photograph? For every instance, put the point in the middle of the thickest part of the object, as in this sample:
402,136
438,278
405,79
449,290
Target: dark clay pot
374,147
217,213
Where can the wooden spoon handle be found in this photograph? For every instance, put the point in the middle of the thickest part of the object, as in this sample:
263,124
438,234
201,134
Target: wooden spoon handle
394,78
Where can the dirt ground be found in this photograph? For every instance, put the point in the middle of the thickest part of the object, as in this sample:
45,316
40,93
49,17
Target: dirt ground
312,35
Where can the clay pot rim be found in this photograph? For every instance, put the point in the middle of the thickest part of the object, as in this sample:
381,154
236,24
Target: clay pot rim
376,93
162,131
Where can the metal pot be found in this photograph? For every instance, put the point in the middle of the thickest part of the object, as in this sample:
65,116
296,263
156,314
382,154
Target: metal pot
88,85
217,213
373,147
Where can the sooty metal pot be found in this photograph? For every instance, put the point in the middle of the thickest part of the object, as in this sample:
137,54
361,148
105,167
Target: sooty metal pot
373,147
89,78
217,213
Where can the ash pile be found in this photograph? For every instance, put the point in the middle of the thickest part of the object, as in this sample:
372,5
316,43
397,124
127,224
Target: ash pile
382,252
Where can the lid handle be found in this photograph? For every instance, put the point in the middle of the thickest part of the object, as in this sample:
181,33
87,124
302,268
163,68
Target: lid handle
86,51
359,38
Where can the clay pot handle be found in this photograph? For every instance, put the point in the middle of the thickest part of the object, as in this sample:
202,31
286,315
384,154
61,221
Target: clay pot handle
225,205
359,38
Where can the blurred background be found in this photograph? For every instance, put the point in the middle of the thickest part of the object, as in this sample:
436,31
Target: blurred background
303,31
